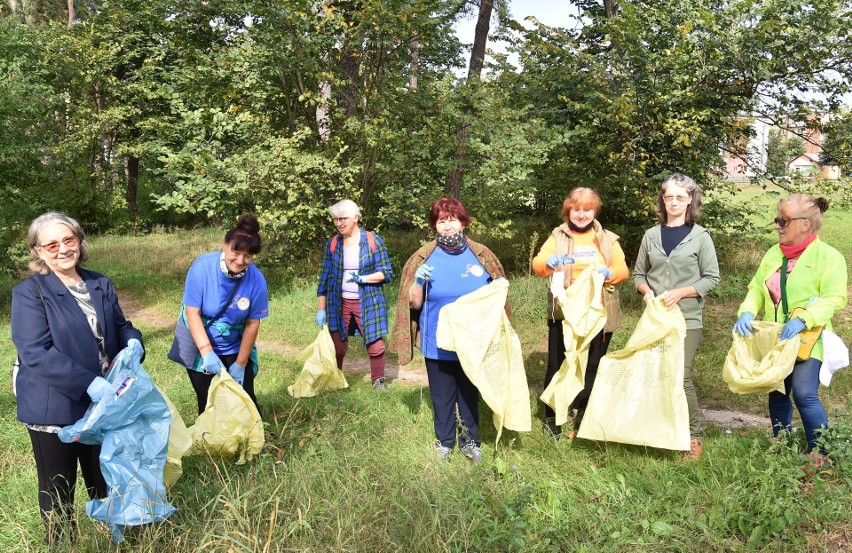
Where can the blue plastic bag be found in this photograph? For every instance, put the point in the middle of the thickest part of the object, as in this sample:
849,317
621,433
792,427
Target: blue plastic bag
131,422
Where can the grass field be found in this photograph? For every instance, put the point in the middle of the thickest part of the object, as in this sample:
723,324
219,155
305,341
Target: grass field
355,471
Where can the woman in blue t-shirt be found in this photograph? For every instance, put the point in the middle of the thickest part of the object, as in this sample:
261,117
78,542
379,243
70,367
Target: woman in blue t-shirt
228,341
436,275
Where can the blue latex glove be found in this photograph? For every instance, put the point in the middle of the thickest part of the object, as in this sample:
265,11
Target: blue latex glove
321,317
605,272
355,277
793,327
136,346
555,260
743,324
237,372
424,272
212,363
98,388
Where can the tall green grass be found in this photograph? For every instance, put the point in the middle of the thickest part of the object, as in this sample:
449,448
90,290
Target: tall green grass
353,470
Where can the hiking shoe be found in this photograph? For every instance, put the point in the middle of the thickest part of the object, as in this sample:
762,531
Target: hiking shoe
550,428
443,452
472,452
695,450
379,385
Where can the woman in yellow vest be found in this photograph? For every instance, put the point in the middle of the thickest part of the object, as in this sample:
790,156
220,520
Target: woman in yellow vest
572,246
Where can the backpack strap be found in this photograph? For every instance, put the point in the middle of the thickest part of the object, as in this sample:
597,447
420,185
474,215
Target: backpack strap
371,240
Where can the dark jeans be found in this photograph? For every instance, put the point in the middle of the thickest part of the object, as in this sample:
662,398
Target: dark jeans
804,383
556,355
449,386
56,466
201,382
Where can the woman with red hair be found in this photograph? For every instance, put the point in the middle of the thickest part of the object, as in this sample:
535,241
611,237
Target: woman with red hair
578,242
437,274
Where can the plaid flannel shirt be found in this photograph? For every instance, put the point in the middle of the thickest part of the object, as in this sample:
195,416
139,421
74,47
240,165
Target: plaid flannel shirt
374,310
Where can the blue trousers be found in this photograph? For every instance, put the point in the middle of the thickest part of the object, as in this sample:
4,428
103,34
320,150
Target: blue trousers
449,386
804,383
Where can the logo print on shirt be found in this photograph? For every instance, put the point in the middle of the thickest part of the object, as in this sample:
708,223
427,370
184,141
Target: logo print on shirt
243,303
474,270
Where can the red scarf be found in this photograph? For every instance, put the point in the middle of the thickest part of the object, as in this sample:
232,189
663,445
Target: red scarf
793,252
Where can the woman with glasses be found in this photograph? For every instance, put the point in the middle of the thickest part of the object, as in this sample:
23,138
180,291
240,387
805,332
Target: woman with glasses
224,299
572,246
677,260
800,272
67,326
350,295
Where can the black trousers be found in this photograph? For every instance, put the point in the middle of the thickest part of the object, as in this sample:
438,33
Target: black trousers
56,466
449,386
556,355
201,382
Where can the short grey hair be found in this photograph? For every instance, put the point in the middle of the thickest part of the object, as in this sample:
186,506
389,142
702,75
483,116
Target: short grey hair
345,208
809,207
37,265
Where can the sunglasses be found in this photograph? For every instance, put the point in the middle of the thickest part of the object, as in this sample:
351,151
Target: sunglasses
782,222
53,247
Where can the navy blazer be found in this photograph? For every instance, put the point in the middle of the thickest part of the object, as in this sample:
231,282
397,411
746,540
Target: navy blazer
58,352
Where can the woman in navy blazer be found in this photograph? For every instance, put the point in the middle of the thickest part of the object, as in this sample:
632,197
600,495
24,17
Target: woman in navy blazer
67,327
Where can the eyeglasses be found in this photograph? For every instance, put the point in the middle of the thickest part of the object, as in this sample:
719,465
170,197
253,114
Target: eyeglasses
53,247
782,222
336,220
680,199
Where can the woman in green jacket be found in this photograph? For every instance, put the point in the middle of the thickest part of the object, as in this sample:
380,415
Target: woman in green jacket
801,271
677,260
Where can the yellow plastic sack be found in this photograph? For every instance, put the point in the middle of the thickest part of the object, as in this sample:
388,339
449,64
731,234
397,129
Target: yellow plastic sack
585,316
638,395
319,370
230,424
180,441
476,327
759,363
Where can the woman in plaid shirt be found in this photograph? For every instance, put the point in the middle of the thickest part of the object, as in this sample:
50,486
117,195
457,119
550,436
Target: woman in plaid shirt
350,295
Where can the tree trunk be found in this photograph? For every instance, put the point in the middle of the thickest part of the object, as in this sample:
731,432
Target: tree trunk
452,185
610,8
131,172
71,13
414,65
350,66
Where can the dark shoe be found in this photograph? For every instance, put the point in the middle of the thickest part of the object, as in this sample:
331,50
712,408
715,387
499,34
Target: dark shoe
472,452
550,428
379,385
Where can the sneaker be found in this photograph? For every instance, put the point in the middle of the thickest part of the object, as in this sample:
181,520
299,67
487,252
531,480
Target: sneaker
472,452
550,428
695,450
816,462
442,451
379,385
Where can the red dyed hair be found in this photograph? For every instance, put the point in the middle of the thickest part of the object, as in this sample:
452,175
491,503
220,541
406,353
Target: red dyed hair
583,198
448,208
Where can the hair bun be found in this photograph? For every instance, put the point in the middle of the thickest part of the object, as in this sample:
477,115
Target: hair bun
248,223
822,204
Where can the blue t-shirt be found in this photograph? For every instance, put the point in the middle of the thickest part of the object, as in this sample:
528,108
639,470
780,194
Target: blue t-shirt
207,288
453,276
673,236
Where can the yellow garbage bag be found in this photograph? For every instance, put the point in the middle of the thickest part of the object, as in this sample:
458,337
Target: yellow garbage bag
230,424
585,316
319,370
180,441
759,363
476,327
638,396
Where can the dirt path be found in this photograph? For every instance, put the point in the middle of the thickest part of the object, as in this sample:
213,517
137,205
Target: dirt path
135,312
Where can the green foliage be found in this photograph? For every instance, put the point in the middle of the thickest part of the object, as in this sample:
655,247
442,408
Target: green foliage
781,150
837,146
